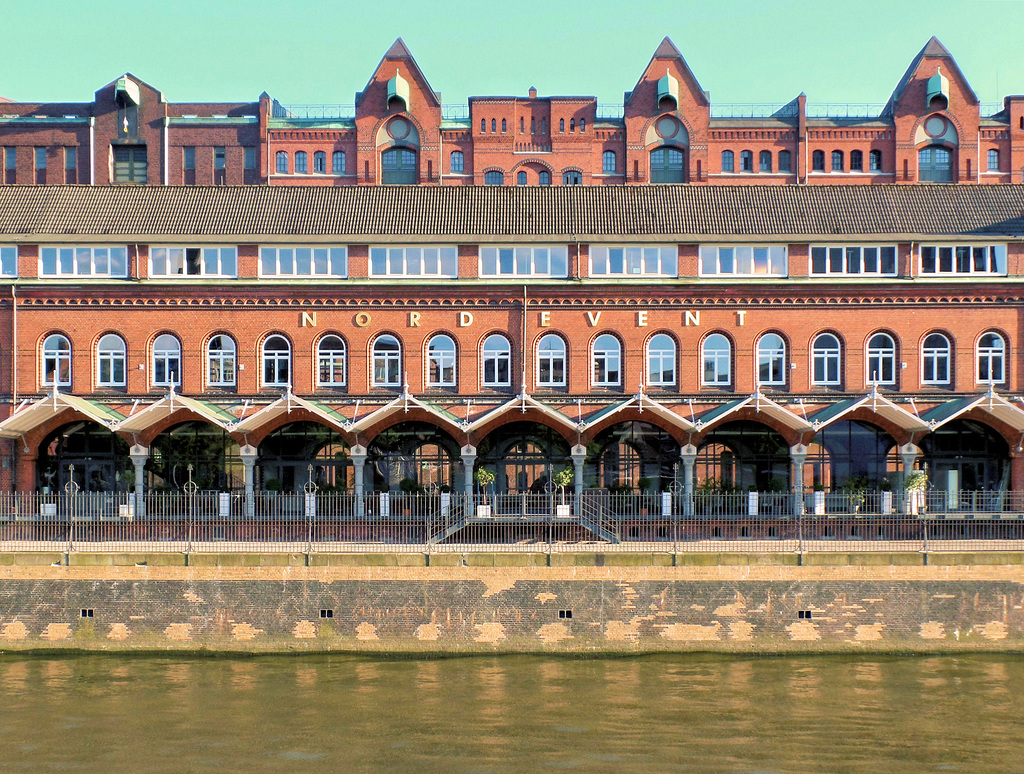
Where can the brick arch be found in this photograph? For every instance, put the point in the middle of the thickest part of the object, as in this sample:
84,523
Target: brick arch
680,117
750,414
527,163
571,437
633,414
297,414
179,417
414,414
865,415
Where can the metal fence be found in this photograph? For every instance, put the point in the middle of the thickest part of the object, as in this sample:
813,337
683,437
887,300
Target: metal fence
598,520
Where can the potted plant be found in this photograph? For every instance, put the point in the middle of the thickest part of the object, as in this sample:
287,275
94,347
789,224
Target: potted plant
485,478
273,485
562,479
408,487
914,484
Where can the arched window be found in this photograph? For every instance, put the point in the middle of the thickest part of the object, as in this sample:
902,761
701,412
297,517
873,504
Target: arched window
608,165
572,125
300,162
166,360
993,160
387,362
543,126
935,164
661,361
583,125
522,125
551,361
991,359
572,178
282,163
837,161
441,361
881,359
320,163
57,361
110,357
785,161
521,177
458,161
728,161
818,161
338,162
666,165
494,125
561,125
399,166
856,161
220,361
483,125
533,125
826,355
544,178
607,361
497,361
746,161
875,161
331,361
504,126
277,361
717,357
935,359
494,177
764,161
771,360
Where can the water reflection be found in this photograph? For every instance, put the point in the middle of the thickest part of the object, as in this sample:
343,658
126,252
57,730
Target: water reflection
513,714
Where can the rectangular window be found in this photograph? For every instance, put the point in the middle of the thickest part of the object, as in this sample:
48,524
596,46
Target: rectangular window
338,162
414,262
10,165
220,158
875,260
193,261
249,153
40,158
83,262
744,261
993,161
9,261
130,165
633,261
303,261
70,164
188,156
524,261
963,259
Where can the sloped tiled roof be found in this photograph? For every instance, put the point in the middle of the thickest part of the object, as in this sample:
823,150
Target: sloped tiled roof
495,213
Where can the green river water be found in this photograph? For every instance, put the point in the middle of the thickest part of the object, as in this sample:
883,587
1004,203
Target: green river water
513,714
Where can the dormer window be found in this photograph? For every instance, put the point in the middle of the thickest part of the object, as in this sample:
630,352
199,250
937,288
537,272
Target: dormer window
398,93
668,92
937,92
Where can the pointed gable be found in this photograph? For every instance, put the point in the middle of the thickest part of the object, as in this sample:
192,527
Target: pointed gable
933,51
667,65
396,60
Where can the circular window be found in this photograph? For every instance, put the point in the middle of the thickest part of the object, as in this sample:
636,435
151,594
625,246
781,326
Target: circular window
666,127
398,129
935,126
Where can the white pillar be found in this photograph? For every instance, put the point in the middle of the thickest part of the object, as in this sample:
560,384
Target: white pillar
139,454
688,454
248,454
469,467
798,457
579,457
358,456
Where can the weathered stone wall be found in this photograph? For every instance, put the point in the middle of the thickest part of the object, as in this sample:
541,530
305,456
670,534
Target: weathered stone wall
406,606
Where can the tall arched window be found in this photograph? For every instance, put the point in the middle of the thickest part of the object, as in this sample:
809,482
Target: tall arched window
993,160
717,359
300,162
504,126
166,360
57,361
608,165
826,357
338,162
220,361
856,161
282,162
818,161
991,359
881,359
331,361
607,361
497,361
441,361
398,166
494,125
785,161
837,161
935,164
661,361
935,359
458,161
110,361
764,161
521,177
320,162
551,361
728,161
746,161
387,361
494,177
771,360
667,165
875,161
277,361
561,125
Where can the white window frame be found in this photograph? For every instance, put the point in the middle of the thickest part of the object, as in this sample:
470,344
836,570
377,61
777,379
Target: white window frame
166,361
634,261
878,356
8,260
932,358
212,261
326,256
855,255
109,359
830,357
277,360
991,356
442,357
524,261
665,359
729,260
60,358
429,261
493,360
718,358
605,361
551,358
223,360
331,362
386,363
775,360
69,261
995,256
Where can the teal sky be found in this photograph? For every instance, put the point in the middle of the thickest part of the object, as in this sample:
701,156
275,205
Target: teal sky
323,51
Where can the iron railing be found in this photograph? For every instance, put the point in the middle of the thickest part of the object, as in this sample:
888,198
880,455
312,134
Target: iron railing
596,520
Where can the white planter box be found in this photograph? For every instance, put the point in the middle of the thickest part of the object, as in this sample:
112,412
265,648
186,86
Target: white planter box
752,503
563,510
483,510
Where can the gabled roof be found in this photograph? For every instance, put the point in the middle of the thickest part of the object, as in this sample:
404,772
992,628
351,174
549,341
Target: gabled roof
667,50
876,404
163,408
285,405
523,403
403,403
642,403
760,404
43,410
399,50
990,403
933,49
